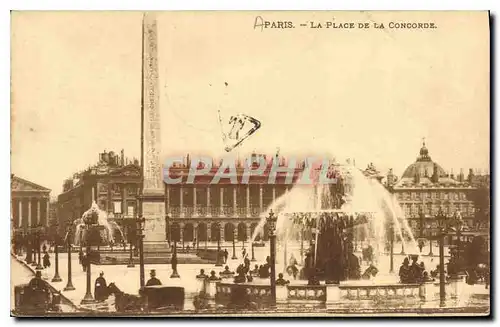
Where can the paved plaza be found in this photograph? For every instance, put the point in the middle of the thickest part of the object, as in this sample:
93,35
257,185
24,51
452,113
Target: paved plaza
127,278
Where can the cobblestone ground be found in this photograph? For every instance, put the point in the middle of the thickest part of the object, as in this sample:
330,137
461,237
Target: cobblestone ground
127,279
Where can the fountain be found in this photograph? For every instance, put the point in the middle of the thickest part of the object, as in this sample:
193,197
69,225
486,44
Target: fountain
101,236
335,213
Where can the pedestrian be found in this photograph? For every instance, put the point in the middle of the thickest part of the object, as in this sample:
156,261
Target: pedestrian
226,255
100,288
84,262
405,272
153,281
46,260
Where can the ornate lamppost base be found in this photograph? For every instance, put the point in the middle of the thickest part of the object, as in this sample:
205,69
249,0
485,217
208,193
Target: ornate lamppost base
130,265
87,299
175,274
69,287
39,267
56,278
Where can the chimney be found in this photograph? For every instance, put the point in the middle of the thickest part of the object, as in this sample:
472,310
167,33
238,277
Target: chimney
417,177
451,174
461,176
435,175
470,177
390,178
122,158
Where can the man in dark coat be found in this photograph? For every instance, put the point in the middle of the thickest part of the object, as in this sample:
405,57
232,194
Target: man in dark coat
46,260
405,272
37,284
153,281
100,288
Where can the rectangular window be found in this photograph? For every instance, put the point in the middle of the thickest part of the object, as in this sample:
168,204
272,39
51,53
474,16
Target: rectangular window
117,206
130,211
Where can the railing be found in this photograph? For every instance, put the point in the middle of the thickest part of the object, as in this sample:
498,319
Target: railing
375,292
242,294
214,211
299,293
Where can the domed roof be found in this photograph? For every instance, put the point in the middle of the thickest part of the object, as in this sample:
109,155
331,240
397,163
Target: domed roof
424,166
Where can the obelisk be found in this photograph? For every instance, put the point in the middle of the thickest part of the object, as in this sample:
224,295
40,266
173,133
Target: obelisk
153,191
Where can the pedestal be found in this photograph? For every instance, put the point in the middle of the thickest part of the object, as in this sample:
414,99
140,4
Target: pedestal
201,285
456,286
281,294
332,294
428,291
153,211
212,288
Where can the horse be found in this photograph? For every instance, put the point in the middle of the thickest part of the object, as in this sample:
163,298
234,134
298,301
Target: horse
123,301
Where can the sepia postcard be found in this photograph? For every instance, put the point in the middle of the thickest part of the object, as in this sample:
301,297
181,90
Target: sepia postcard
241,163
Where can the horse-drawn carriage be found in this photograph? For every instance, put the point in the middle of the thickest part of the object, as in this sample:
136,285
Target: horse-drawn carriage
150,299
29,300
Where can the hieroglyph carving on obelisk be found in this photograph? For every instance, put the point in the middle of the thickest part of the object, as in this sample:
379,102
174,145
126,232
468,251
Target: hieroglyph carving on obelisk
153,181
153,205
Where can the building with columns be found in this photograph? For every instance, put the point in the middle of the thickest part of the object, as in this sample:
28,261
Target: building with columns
29,204
113,183
205,211
425,189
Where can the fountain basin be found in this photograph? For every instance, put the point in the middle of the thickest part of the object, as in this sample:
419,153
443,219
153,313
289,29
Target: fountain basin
229,293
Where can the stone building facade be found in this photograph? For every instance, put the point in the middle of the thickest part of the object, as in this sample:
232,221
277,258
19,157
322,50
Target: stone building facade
425,189
113,183
30,204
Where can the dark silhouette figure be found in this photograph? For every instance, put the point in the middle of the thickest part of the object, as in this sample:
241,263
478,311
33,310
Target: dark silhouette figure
213,276
100,288
280,281
405,272
46,260
37,284
226,255
153,281
202,274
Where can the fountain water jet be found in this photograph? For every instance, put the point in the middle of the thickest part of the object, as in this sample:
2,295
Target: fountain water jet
354,196
106,235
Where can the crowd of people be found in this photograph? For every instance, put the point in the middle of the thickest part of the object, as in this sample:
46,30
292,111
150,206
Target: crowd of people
414,273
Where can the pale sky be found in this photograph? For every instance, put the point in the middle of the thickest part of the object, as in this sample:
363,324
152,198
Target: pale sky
370,94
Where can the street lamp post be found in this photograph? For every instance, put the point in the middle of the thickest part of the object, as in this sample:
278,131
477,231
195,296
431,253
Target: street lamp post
253,253
38,245
218,262
56,278
402,242
173,261
441,219
140,239
131,257
391,269
234,257
69,284
29,246
88,298
271,220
